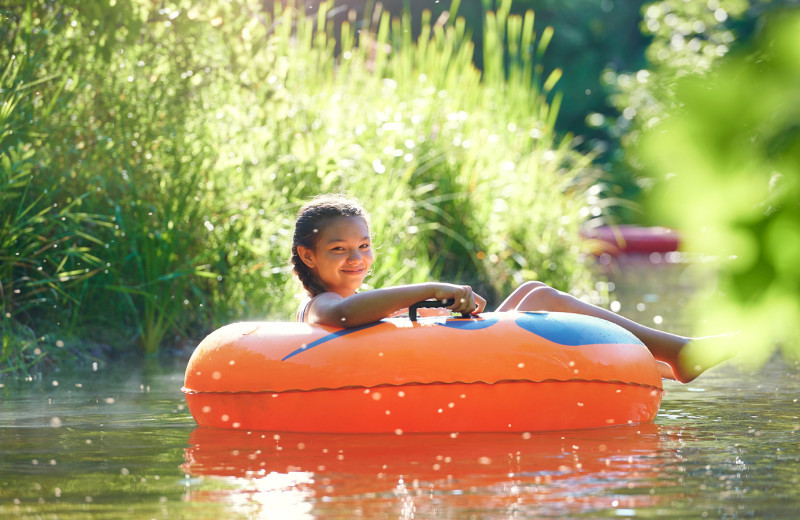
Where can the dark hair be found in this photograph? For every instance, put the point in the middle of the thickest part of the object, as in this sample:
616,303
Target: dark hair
311,219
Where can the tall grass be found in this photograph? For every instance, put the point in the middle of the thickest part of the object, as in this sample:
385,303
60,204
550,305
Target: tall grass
191,135
47,245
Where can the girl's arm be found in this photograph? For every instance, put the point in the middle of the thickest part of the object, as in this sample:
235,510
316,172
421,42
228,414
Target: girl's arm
332,309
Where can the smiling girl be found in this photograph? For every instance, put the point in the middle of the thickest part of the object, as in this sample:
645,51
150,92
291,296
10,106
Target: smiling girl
332,254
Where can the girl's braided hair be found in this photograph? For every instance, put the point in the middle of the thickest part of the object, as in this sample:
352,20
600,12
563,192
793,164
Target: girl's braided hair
311,219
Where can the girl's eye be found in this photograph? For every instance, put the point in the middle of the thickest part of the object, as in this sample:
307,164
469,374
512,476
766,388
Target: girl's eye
364,246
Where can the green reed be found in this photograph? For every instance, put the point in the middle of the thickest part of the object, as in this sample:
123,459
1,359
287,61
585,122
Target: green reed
47,240
197,130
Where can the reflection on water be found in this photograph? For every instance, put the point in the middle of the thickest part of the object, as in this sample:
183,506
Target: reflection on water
121,444
429,474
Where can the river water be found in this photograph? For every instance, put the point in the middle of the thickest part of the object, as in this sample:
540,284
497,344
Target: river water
120,443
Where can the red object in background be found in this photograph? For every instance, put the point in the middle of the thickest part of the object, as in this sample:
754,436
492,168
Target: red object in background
617,240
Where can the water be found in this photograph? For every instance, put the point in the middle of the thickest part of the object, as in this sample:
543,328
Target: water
121,444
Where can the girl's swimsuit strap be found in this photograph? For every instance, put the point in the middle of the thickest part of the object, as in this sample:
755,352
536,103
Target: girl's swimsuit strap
301,309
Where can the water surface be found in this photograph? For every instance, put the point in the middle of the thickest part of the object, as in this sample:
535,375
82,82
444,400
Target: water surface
120,443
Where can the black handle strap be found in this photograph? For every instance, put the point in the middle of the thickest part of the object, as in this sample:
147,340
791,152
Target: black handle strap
431,304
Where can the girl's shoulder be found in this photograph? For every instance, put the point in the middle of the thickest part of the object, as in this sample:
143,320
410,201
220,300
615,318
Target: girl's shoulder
305,304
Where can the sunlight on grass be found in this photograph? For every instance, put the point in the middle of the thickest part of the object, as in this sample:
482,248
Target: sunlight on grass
177,142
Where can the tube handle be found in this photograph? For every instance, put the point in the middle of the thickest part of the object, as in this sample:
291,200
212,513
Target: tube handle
431,304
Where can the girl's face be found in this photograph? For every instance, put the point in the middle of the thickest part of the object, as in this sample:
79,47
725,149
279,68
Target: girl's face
342,256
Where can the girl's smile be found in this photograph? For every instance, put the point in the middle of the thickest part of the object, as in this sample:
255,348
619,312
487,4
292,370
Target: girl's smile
342,256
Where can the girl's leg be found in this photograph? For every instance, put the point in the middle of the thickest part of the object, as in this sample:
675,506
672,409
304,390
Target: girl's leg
664,346
513,300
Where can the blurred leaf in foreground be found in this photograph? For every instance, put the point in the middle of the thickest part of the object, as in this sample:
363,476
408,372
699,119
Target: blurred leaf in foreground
728,164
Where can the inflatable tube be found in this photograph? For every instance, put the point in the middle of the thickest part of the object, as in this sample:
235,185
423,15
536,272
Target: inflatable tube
503,371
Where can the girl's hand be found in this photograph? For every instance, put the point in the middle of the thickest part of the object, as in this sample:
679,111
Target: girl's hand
465,300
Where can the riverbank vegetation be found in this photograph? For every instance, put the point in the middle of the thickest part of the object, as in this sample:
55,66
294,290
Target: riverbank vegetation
153,159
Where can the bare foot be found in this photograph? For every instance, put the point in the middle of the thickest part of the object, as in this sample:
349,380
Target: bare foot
700,354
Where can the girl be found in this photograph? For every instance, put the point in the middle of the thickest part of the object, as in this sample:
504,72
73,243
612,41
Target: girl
332,254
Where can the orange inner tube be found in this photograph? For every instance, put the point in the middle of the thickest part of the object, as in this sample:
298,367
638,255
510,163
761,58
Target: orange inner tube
500,372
